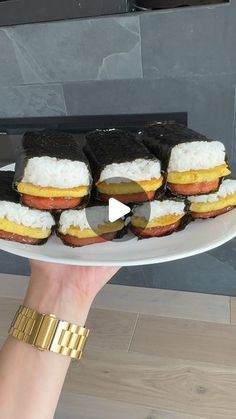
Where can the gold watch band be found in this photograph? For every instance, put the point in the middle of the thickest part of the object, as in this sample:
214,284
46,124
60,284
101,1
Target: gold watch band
46,332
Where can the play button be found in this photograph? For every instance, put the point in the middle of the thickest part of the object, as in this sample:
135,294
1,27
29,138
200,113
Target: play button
114,204
117,210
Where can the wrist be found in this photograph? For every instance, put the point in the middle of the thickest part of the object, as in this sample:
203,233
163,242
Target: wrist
51,295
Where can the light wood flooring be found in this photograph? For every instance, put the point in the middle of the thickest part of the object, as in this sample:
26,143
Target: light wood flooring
152,354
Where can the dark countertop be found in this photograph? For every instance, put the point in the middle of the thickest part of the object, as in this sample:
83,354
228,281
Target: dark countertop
213,272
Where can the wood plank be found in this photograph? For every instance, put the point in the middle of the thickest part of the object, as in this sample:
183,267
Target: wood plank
109,329
187,387
77,406
13,286
166,303
185,339
8,307
212,308
233,309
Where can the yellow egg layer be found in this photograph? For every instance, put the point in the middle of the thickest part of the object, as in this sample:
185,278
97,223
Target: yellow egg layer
156,222
130,187
101,229
197,176
227,201
34,233
49,192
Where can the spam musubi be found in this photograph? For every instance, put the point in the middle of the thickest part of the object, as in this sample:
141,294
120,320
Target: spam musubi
122,167
194,164
52,171
211,205
17,222
87,226
158,218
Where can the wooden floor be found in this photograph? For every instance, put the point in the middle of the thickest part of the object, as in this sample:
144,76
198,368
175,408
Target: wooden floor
152,354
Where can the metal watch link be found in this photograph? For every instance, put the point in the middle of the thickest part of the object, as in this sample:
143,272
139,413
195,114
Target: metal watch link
47,332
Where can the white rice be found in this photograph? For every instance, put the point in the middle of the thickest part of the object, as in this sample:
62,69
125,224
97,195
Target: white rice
139,169
85,218
228,187
154,209
19,214
196,155
57,173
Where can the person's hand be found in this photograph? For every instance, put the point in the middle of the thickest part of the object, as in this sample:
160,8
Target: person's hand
67,291
31,380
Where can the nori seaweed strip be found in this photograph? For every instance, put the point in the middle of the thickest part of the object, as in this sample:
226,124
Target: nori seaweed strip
93,203
185,220
170,197
180,198
97,203
8,194
160,193
160,138
6,191
104,147
121,233
48,143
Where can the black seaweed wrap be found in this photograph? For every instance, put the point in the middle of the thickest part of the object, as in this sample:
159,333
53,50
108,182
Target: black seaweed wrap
47,143
93,203
104,147
8,194
185,220
6,191
160,138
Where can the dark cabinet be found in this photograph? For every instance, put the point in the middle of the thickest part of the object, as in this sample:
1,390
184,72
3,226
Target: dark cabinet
13,12
167,4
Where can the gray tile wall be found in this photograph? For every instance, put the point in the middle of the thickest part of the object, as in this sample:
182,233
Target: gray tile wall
180,60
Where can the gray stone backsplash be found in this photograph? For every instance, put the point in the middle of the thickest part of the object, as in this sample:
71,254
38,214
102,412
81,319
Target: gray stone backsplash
97,49
34,100
183,43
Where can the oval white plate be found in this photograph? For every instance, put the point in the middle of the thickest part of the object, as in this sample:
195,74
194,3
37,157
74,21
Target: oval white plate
198,237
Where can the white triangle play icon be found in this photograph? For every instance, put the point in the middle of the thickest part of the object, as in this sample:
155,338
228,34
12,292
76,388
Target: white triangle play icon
117,210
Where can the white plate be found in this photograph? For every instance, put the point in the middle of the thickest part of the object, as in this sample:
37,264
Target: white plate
198,237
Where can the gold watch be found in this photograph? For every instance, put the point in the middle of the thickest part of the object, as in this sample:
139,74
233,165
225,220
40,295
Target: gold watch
46,332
